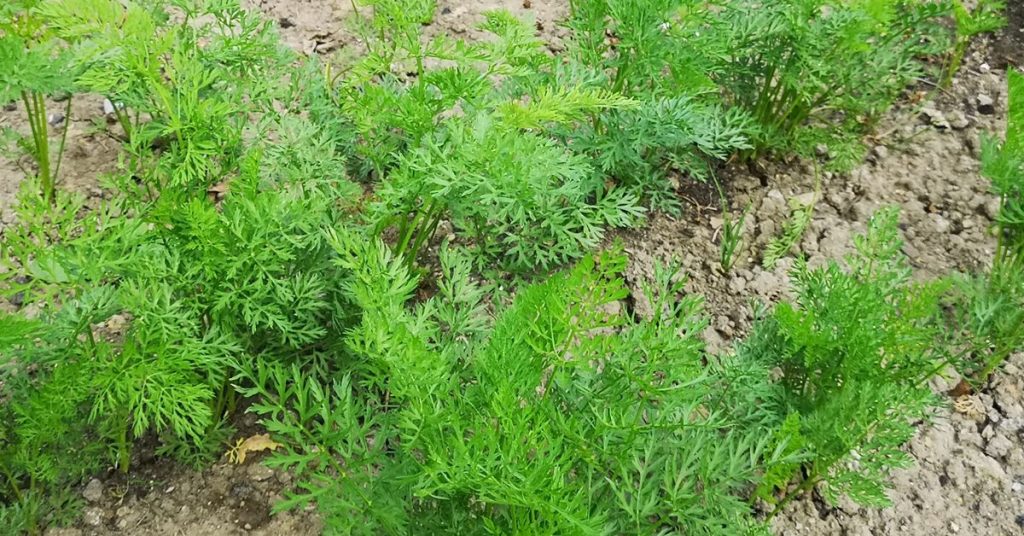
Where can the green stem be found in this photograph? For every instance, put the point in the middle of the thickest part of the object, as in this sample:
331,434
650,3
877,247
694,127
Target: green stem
622,74
63,138
35,107
224,405
1000,235
43,148
407,229
123,454
417,229
804,487
954,64
124,120
15,488
426,232
768,90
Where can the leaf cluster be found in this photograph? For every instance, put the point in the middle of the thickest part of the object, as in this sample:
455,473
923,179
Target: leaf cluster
149,301
984,16
818,73
641,49
458,132
183,92
989,315
558,414
854,354
35,64
233,257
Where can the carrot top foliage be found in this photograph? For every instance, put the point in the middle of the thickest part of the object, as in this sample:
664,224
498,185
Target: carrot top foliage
399,261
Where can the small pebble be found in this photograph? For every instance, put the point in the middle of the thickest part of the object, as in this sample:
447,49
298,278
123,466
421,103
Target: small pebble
10,106
935,118
110,107
991,209
93,491
92,517
260,472
958,120
986,105
55,119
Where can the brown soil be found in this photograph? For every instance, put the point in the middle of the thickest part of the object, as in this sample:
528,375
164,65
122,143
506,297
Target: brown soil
90,151
969,477
1008,46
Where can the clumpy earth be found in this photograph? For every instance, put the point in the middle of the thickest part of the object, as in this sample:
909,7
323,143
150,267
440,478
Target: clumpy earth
969,475
161,498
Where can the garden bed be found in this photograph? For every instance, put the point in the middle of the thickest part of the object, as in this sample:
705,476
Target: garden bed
969,475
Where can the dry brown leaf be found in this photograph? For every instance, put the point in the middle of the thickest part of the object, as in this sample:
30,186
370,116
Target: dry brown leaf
256,443
970,406
961,389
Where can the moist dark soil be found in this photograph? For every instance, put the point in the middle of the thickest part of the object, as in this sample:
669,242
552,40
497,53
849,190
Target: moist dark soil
1008,46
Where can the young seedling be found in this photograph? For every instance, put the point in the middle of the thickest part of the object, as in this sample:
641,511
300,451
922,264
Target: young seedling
793,229
643,50
732,236
817,72
854,355
468,142
990,307
987,16
1003,164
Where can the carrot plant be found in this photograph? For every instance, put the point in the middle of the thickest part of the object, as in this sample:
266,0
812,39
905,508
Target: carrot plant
731,243
855,353
818,73
641,49
44,448
1003,164
142,316
560,414
146,299
793,229
990,306
175,85
33,66
985,16
467,141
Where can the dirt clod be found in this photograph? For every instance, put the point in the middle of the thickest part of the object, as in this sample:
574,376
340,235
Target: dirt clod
93,491
986,105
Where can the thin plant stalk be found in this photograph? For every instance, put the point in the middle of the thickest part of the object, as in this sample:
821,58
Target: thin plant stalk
63,138
35,107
